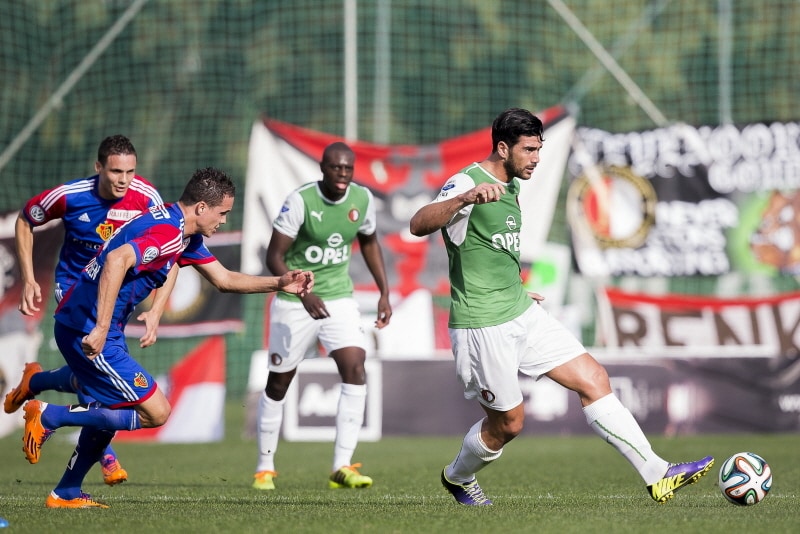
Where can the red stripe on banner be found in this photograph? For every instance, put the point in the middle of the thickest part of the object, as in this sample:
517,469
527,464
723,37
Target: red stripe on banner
684,302
394,161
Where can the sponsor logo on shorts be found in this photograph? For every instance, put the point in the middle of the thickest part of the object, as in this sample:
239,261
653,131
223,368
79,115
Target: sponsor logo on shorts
36,213
487,395
276,358
140,381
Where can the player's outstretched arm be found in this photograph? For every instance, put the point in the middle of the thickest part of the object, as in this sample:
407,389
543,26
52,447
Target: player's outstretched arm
297,282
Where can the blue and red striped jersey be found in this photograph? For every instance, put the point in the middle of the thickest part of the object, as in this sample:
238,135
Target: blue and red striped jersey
158,241
89,219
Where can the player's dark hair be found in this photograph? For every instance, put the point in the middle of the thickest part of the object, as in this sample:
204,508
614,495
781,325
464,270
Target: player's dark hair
208,185
513,123
114,145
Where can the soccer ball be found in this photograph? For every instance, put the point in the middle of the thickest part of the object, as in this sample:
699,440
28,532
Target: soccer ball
745,479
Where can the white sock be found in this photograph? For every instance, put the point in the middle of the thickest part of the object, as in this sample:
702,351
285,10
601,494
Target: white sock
270,416
473,456
615,424
349,418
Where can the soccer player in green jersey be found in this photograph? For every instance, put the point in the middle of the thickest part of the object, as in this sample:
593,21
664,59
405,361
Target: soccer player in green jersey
498,330
316,228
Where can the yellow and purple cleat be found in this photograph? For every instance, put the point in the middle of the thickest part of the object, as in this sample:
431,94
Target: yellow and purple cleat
679,476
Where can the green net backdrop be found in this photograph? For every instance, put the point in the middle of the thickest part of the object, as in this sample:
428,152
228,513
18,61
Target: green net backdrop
186,79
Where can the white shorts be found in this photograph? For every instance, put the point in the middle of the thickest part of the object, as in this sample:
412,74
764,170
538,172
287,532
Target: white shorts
489,359
293,333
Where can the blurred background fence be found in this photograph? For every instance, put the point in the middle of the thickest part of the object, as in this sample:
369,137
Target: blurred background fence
186,80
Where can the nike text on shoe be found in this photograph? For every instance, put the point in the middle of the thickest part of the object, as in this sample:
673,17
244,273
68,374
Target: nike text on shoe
35,433
469,494
679,476
264,480
17,396
84,501
113,473
349,477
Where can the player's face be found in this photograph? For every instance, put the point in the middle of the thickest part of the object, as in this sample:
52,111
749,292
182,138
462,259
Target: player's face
116,175
521,159
337,173
212,217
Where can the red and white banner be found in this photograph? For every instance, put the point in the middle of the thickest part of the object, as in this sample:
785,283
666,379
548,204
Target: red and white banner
705,325
402,178
195,387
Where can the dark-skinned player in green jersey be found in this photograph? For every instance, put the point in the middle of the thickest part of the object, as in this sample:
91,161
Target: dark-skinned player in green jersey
316,227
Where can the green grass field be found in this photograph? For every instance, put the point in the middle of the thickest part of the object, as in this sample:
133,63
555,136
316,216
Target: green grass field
547,484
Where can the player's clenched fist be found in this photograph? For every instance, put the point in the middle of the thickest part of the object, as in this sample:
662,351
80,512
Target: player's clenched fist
484,193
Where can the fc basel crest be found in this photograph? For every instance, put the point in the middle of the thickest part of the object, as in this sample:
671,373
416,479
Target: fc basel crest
105,230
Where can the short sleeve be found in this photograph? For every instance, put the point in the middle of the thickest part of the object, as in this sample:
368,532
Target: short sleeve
291,216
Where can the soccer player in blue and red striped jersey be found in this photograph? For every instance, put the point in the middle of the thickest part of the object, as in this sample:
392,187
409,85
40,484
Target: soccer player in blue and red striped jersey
91,318
90,209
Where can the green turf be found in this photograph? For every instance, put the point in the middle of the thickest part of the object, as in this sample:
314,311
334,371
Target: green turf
547,484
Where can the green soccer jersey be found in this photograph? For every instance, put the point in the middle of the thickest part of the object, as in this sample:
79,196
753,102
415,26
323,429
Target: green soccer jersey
323,233
483,247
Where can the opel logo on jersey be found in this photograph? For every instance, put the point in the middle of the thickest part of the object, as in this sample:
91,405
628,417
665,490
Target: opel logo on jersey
335,240
149,254
36,213
511,222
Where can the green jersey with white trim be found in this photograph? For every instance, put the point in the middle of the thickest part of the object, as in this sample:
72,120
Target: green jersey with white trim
323,233
483,247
